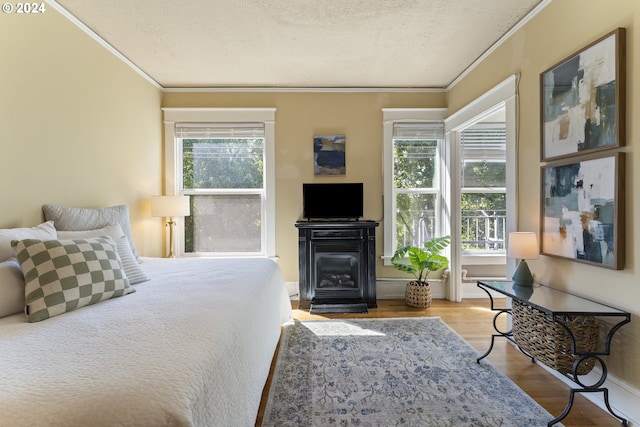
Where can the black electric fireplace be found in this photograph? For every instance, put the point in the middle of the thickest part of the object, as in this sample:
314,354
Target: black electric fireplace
337,266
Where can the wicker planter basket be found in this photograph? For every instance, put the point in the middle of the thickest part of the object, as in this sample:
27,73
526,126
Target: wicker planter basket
549,342
418,294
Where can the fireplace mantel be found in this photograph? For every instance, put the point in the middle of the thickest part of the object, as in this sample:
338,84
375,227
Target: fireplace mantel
337,266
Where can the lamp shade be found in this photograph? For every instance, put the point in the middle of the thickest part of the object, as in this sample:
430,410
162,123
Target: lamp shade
170,206
523,245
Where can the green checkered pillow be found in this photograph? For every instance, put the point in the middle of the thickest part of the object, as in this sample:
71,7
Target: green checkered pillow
63,275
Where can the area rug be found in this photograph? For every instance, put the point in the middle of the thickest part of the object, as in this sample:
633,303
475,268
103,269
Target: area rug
390,372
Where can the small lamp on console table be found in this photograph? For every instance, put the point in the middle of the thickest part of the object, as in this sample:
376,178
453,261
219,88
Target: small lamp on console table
523,245
170,207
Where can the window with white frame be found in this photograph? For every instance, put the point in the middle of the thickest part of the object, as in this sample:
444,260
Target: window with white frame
483,188
415,177
226,168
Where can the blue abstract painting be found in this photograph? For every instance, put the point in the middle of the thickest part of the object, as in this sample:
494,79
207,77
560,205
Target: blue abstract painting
580,207
579,102
329,154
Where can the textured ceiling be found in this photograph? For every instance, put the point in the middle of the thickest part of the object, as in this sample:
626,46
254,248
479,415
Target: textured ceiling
301,43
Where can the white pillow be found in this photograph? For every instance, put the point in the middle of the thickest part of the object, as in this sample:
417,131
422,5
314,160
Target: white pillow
76,219
132,269
11,288
43,231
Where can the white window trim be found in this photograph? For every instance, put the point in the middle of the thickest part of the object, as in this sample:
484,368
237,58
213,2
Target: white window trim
407,115
504,95
225,115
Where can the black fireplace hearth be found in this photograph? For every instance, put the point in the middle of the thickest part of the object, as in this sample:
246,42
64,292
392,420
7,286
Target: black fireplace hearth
337,266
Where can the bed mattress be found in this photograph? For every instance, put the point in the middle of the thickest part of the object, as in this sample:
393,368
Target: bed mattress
191,347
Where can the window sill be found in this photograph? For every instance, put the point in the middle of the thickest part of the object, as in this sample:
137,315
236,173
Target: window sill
483,259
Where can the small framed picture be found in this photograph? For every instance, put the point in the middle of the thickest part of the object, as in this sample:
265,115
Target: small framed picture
329,155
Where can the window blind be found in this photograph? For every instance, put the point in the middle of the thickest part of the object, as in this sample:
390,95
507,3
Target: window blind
425,130
487,142
219,130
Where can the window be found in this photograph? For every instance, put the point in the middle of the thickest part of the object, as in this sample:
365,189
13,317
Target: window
223,173
414,177
226,168
483,188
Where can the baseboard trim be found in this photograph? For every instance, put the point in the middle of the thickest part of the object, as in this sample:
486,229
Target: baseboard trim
394,289
293,290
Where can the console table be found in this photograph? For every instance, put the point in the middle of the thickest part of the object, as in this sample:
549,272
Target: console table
562,308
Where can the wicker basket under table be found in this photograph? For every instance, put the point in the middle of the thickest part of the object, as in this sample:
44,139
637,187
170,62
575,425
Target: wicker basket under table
549,342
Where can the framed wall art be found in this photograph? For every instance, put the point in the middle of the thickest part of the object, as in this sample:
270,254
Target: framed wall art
582,210
329,155
582,100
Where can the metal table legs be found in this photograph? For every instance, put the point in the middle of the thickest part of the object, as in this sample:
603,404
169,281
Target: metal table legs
581,358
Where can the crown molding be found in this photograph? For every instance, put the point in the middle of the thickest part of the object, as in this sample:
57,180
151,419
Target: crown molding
64,12
305,89
499,42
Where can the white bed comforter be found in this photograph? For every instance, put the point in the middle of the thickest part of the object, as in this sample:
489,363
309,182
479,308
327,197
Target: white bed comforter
191,347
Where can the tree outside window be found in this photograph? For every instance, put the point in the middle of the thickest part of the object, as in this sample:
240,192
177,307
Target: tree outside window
416,188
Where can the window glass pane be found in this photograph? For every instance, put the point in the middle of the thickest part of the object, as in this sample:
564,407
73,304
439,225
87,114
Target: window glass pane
484,174
227,223
414,163
483,221
415,218
222,163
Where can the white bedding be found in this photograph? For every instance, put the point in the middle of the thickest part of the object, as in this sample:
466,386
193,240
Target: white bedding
191,347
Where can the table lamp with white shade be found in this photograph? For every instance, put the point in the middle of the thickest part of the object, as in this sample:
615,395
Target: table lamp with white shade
170,207
523,245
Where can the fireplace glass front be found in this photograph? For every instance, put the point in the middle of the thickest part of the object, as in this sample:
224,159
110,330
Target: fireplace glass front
337,271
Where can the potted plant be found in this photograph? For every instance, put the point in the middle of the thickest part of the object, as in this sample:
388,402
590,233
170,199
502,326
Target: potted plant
422,261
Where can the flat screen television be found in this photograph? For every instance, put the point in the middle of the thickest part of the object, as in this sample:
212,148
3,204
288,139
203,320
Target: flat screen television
332,201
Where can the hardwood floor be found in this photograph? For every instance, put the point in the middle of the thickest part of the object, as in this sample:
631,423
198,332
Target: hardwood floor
473,320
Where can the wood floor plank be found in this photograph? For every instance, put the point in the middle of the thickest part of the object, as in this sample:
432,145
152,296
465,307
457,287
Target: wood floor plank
473,320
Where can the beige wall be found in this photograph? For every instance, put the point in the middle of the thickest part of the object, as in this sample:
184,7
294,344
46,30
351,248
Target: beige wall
78,127
562,28
299,117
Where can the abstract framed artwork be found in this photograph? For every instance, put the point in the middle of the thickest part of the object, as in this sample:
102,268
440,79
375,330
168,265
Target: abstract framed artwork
582,210
582,100
329,155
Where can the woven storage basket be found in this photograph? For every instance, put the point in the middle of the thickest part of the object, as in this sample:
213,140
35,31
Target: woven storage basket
549,342
418,295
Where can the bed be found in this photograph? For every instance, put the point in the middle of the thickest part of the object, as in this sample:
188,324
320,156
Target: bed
191,345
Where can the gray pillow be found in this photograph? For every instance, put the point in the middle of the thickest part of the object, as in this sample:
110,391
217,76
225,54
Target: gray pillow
77,219
132,269
64,275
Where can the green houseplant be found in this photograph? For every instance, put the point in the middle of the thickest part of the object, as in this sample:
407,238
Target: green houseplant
421,262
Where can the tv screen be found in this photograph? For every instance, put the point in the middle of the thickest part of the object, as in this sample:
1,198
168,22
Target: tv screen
332,201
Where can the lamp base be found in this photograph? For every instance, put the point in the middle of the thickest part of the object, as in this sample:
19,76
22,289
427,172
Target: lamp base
522,276
171,223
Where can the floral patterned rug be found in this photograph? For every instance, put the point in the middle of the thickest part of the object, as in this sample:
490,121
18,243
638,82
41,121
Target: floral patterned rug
390,372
